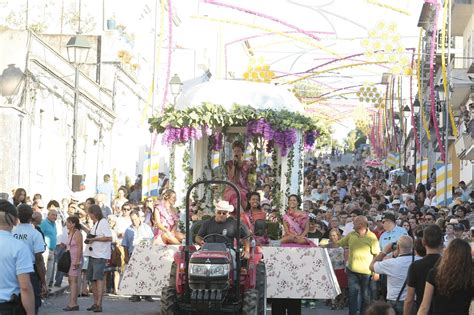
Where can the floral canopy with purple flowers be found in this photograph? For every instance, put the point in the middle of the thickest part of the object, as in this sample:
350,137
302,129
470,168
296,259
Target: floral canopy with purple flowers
277,127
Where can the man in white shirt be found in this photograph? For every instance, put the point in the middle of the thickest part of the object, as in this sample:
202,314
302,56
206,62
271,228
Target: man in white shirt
396,270
98,244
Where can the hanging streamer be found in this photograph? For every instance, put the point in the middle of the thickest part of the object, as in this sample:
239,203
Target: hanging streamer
266,29
420,87
443,68
170,51
412,110
262,15
335,68
432,91
390,7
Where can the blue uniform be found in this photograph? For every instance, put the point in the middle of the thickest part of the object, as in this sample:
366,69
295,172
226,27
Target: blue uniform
15,260
31,237
391,236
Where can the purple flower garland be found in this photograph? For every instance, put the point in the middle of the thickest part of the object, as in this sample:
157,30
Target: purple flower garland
284,139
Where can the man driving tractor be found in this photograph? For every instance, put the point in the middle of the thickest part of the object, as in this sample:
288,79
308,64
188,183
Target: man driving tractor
224,225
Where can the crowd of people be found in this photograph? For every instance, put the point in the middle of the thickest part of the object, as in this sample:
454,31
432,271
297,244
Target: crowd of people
387,242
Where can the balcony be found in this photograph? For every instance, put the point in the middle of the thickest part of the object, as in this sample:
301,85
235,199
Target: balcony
464,147
461,13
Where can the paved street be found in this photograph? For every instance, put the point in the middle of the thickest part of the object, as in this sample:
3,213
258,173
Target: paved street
121,305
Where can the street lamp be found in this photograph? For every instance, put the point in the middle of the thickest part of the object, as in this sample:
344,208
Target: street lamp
77,51
10,81
176,87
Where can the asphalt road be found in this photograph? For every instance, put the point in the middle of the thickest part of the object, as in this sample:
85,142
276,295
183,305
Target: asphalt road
121,305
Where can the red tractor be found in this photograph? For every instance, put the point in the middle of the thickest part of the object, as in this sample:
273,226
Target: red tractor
215,279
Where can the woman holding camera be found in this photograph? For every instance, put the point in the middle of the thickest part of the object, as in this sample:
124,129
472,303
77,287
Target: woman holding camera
74,246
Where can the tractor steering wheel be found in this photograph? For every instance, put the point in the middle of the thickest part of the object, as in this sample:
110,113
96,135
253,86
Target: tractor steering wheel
225,238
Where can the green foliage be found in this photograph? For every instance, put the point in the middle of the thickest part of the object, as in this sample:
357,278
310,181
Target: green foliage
215,116
355,138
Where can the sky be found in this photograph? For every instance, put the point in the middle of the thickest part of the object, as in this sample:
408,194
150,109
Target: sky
289,36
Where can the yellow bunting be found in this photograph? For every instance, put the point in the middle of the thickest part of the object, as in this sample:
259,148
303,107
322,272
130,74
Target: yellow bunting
443,68
387,6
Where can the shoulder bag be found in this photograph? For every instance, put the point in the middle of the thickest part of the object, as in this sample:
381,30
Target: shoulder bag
64,262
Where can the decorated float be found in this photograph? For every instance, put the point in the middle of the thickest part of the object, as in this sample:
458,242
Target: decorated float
207,118
200,130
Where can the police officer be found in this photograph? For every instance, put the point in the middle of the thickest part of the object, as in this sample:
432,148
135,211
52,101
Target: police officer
16,266
26,233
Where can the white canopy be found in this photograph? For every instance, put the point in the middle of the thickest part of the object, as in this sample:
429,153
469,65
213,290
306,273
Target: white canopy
244,93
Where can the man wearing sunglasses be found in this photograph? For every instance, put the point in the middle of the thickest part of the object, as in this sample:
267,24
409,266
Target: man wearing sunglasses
225,225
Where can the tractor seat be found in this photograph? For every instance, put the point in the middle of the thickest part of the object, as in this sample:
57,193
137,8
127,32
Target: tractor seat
214,247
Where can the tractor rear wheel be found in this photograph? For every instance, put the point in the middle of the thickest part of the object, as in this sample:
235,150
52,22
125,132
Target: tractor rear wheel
250,302
261,287
168,305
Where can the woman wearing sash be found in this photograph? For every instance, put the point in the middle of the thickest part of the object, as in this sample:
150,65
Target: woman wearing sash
295,223
237,172
166,218
253,213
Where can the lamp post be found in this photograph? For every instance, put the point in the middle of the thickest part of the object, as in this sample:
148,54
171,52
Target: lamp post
10,81
77,51
176,87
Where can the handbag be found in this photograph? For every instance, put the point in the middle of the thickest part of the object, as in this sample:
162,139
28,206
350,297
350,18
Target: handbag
64,262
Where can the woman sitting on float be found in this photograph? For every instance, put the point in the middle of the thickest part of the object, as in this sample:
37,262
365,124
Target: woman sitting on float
252,214
166,218
295,223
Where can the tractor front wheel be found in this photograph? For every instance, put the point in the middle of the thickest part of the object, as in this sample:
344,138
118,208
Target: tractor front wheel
261,287
168,305
250,302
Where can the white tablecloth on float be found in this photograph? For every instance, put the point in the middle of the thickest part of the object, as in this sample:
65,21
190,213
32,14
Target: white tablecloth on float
148,270
299,273
291,272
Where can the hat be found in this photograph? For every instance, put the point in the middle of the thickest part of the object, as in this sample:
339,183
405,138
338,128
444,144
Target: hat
265,202
224,205
395,202
389,216
323,208
403,210
378,217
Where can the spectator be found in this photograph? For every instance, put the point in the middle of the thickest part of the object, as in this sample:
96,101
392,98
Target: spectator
380,308
449,287
98,246
120,200
363,246
19,196
134,234
392,231
418,270
16,265
395,269
99,200
107,190
26,233
48,226
36,220
74,246
336,254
